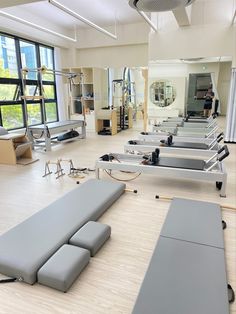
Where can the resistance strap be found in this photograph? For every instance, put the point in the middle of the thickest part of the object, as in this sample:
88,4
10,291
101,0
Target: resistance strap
8,280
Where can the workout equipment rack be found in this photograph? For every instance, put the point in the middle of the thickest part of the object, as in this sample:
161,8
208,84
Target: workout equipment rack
121,97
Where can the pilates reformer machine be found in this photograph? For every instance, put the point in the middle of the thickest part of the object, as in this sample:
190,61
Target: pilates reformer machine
211,170
186,131
157,136
186,127
46,134
187,124
168,146
192,119
42,135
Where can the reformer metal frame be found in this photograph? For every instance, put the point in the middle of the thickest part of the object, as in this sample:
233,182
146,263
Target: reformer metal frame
44,134
190,119
155,136
215,172
191,125
142,146
186,132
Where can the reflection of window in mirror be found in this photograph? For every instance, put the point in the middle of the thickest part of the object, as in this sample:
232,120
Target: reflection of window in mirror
162,93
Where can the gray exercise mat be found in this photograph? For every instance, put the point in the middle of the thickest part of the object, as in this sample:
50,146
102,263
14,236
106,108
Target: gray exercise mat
194,221
27,246
183,163
184,278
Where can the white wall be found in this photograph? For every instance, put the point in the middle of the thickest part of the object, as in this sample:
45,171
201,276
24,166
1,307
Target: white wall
113,57
192,42
126,35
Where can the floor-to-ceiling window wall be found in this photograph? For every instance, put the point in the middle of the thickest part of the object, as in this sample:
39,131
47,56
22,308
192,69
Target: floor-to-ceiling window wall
15,54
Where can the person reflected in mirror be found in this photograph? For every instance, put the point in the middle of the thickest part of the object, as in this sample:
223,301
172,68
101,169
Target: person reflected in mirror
209,96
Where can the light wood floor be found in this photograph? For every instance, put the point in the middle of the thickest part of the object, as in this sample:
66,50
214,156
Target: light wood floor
110,283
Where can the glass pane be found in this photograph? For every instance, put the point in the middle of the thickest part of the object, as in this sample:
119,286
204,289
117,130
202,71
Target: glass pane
46,59
51,111
28,58
12,116
31,90
8,61
9,92
49,91
34,114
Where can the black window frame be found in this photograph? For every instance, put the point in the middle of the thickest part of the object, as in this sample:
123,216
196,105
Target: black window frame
17,81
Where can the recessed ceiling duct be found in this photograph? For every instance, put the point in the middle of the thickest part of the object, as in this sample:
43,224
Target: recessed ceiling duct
158,5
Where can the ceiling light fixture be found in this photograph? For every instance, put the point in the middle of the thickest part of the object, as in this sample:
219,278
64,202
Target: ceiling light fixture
158,5
81,18
191,60
41,28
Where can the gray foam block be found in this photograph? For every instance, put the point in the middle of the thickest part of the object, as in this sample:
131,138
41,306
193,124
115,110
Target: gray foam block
61,270
91,236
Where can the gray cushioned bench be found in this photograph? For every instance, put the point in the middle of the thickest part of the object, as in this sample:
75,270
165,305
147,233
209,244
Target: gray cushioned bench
187,272
27,246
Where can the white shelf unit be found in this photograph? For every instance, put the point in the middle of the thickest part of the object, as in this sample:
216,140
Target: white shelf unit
82,99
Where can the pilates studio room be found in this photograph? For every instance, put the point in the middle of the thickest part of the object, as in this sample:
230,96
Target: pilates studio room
117,156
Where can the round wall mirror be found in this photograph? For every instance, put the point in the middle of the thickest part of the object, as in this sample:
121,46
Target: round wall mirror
162,93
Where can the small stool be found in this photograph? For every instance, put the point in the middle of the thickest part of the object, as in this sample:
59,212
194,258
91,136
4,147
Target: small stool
91,236
61,270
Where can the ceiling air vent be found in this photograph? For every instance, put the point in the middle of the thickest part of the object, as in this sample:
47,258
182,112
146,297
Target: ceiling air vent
158,5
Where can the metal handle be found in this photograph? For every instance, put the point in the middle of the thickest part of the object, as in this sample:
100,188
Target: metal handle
131,142
226,152
219,139
219,135
231,295
224,225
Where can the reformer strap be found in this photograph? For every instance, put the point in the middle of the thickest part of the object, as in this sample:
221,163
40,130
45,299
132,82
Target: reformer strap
8,280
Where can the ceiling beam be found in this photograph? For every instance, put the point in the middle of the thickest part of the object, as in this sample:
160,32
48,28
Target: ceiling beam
11,3
181,16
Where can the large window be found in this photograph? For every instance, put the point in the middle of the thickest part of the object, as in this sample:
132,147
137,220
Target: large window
15,54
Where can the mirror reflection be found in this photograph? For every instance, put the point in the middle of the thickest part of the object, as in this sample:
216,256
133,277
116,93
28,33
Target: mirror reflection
162,93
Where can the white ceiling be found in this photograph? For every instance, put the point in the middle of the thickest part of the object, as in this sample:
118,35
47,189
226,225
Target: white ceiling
101,12
108,12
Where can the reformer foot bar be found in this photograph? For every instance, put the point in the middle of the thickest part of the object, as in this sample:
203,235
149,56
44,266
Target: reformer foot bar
211,170
189,149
